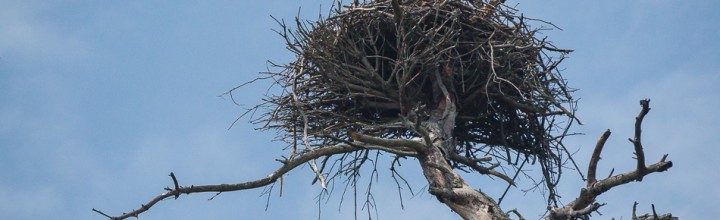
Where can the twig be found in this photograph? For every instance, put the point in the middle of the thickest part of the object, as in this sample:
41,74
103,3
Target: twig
102,213
397,10
290,165
482,170
634,216
654,212
177,186
489,8
515,211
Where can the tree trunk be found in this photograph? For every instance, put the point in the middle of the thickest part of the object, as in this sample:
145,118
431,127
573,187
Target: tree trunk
448,186
444,183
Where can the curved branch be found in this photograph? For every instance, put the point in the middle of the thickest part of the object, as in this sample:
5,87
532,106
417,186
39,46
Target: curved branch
592,168
288,165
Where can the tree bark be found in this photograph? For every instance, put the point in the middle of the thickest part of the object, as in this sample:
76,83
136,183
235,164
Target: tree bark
449,187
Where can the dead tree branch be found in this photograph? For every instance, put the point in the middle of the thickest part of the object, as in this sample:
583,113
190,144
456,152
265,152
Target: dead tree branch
401,144
639,154
654,216
288,165
480,169
585,203
592,168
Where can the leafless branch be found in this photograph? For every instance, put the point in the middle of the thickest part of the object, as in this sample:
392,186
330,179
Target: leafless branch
390,143
586,200
639,154
287,166
480,169
592,168
654,215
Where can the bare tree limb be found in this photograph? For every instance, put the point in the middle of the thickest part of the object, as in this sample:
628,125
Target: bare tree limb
391,143
585,203
480,169
592,168
654,216
288,165
639,154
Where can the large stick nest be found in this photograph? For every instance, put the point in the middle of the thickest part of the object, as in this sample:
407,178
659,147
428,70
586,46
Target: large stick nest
366,67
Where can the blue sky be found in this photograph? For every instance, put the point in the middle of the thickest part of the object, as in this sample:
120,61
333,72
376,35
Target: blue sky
101,100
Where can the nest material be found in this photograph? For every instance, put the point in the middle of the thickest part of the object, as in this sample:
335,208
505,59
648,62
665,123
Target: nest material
365,68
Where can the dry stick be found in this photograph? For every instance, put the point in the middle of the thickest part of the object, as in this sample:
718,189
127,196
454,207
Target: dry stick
495,76
584,204
102,213
175,182
390,143
634,216
296,102
489,8
322,167
417,128
645,103
482,170
654,215
287,166
592,168
654,212
519,169
398,12
515,211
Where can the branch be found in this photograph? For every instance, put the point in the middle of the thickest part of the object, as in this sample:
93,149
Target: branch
645,103
489,8
416,127
572,214
390,143
175,182
654,216
398,11
585,203
592,168
620,179
288,165
515,211
480,169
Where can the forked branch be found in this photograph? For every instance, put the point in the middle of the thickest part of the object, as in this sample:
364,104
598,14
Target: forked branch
654,215
288,165
585,204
